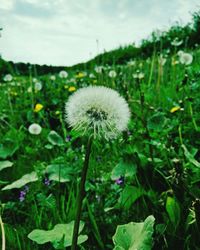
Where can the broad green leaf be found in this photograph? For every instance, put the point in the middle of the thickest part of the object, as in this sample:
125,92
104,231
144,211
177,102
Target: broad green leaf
60,236
55,139
190,157
8,148
5,164
129,195
157,122
25,179
123,168
173,210
59,172
134,235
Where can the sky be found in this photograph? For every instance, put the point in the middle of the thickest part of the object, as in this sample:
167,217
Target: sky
67,32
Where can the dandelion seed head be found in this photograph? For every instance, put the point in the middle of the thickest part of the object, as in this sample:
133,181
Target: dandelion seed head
35,129
98,111
112,74
63,74
38,86
8,78
185,58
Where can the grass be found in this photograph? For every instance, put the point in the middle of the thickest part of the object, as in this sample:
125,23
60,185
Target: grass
158,156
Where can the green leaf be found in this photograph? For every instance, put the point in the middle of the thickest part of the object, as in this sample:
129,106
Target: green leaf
123,168
129,195
60,172
8,148
5,164
48,202
134,235
55,139
190,157
60,236
157,122
173,210
25,179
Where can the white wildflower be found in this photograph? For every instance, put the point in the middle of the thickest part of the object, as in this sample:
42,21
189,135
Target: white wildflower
141,75
99,69
91,75
185,58
35,80
176,42
8,78
38,86
97,111
35,129
112,74
63,74
162,60
29,90
135,76
180,53
138,75
131,63
52,78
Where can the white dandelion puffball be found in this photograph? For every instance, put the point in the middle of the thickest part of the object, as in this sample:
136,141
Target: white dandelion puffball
97,111
8,78
185,58
38,86
112,74
63,74
34,129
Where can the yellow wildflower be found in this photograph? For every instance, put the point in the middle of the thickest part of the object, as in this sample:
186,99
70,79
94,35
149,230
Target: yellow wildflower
174,109
71,89
13,93
38,107
80,75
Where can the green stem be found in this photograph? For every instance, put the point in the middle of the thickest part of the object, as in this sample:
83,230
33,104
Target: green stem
81,195
3,235
192,116
180,134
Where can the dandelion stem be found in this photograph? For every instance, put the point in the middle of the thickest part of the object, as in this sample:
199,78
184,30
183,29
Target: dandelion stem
192,116
3,235
81,195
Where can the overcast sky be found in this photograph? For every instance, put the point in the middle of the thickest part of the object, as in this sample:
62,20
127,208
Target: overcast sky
65,32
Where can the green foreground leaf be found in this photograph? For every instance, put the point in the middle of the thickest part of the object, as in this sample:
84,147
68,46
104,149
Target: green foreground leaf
134,235
60,236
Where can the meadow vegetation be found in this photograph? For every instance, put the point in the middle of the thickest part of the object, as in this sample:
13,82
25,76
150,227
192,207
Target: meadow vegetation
149,175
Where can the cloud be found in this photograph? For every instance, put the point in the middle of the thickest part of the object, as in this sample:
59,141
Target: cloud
6,5
64,32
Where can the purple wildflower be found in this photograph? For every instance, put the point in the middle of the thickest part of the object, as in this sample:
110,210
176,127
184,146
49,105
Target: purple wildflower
99,158
22,196
47,182
128,132
68,138
120,181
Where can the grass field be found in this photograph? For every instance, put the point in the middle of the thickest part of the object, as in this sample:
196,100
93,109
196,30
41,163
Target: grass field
151,169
